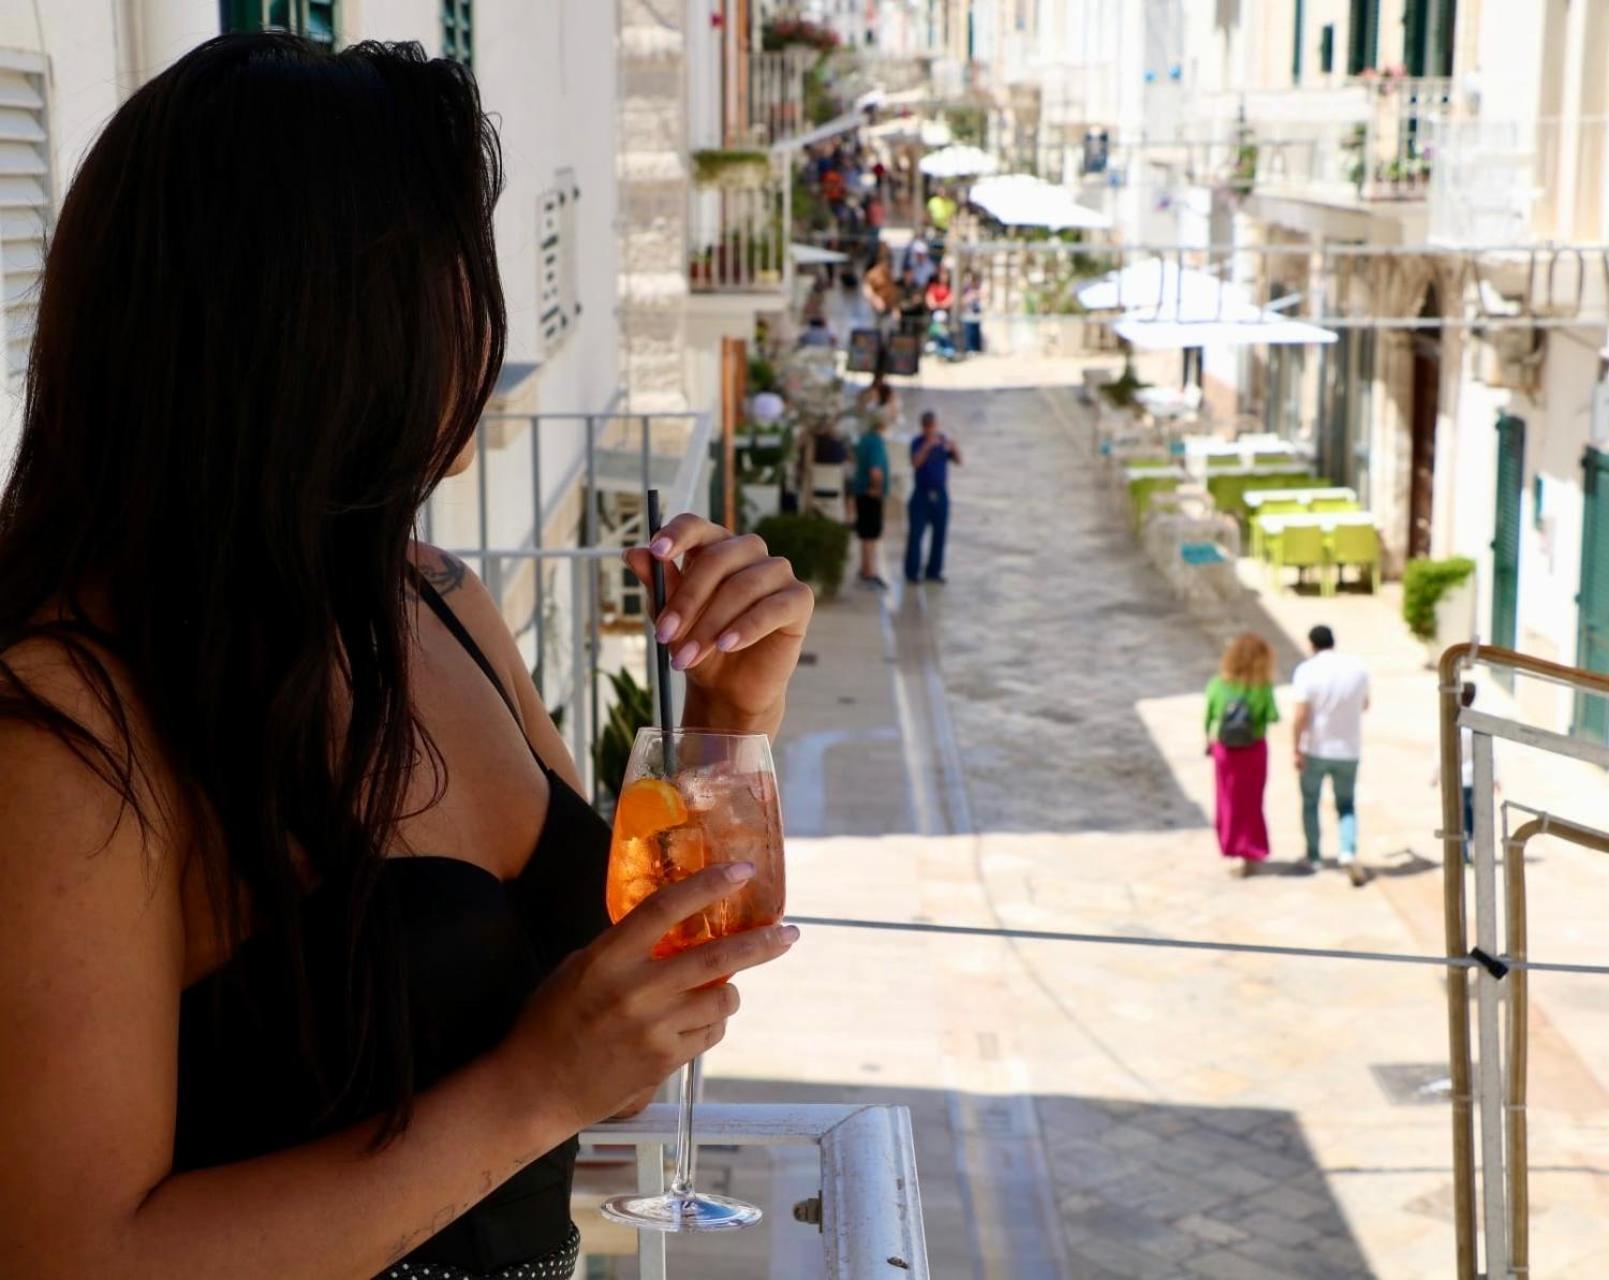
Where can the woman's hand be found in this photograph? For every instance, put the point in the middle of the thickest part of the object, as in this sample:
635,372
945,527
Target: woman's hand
734,620
612,1022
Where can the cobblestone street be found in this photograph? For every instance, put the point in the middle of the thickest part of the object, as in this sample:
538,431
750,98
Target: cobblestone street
1022,746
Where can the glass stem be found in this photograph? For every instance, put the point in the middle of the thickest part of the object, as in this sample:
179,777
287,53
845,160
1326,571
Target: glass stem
681,1185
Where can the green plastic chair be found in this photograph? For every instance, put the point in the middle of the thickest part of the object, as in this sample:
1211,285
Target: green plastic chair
1335,504
1301,547
1140,490
1359,545
1279,507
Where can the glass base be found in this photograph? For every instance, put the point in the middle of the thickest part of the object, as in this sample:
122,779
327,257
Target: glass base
681,1213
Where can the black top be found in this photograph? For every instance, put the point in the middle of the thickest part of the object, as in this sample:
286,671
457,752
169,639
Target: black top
476,946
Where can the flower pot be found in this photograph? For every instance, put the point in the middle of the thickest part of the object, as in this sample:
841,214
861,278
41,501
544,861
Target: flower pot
1455,619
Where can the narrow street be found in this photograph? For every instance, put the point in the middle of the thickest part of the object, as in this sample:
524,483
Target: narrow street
1022,747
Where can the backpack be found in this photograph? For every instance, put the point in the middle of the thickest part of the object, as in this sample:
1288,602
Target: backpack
1237,727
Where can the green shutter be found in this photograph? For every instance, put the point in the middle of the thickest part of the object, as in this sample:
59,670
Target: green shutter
457,31
315,19
1296,44
1592,716
1506,531
1363,36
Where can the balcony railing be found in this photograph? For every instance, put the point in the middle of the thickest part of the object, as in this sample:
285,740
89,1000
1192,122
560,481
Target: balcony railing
1515,181
776,94
870,1207
1366,141
738,237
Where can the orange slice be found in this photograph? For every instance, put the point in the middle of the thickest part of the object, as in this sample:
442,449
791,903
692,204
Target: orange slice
649,806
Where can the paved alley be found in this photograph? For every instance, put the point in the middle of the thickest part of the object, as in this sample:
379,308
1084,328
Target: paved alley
1022,746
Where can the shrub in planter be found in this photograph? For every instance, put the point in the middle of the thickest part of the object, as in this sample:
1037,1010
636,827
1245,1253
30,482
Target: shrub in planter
633,710
815,546
742,170
1424,583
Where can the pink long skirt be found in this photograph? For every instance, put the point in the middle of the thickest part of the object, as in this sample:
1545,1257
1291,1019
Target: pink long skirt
1242,776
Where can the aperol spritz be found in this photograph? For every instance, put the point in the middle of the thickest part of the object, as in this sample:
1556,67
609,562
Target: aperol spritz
692,799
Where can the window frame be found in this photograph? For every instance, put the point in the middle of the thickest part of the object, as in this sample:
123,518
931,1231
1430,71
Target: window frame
259,15
458,31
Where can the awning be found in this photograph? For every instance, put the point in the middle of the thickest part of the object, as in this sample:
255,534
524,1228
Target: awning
846,123
811,255
1258,329
960,161
1022,200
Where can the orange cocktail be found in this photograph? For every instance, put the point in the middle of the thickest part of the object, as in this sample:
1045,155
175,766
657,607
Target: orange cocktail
668,828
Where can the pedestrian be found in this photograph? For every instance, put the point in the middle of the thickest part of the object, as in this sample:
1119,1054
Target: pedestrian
871,481
882,291
940,298
919,262
1240,707
1332,693
929,505
972,313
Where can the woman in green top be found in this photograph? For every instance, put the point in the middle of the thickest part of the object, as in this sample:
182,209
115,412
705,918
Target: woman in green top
1240,707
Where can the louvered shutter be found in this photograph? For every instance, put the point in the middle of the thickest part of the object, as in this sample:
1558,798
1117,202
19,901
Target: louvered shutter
25,200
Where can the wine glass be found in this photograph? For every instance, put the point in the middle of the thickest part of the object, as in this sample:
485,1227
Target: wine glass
692,799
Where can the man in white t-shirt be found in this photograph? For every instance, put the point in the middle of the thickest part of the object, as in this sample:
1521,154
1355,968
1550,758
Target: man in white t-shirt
1332,693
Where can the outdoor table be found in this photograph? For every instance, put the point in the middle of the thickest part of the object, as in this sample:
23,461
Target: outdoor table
1339,493
1273,526
1270,531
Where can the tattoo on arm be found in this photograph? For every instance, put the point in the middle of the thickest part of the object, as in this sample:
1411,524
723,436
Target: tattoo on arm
442,571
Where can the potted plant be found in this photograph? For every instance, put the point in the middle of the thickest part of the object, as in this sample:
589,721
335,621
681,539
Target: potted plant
1354,145
731,169
1438,602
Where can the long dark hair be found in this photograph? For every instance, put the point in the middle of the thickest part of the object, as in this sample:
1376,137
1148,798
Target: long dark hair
270,318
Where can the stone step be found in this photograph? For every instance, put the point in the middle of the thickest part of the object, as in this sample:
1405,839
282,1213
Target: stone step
651,167
653,288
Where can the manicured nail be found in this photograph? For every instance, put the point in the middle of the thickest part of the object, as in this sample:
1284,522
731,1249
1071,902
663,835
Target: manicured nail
728,642
788,935
668,626
685,655
738,872
659,548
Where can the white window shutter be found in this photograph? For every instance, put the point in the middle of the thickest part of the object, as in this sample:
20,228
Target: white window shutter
25,201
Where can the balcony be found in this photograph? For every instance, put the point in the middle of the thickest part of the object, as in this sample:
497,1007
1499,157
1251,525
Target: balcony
737,229
1515,182
776,94
1364,143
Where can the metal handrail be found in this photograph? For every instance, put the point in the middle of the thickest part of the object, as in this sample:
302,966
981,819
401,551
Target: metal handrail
1456,660
870,1208
682,494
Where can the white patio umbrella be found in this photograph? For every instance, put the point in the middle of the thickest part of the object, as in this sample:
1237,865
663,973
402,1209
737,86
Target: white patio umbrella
813,255
1022,200
959,161
1162,290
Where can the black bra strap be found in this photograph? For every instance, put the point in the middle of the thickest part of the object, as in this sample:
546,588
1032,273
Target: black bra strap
450,620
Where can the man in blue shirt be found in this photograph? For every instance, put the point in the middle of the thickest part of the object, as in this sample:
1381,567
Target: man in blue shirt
871,484
931,455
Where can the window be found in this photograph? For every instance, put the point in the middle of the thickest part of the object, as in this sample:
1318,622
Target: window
25,193
457,31
1363,37
558,303
315,19
1326,48
1300,23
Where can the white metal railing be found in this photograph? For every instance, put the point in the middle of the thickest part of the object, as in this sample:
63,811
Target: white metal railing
776,94
1520,180
554,596
738,236
870,1206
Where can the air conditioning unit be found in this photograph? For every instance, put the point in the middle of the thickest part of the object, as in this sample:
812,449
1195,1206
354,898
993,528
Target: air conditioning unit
1510,358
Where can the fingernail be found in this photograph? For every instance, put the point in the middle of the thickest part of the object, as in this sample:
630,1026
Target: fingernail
685,655
625,555
728,642
788,935
659,548
738,872
668,626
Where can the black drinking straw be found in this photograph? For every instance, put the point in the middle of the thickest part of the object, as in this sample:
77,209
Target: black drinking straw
661,653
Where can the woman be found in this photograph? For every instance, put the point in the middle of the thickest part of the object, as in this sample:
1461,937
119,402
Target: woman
1240,707
304,967
972,313
940,297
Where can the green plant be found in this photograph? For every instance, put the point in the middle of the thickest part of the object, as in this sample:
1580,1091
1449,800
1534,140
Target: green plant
633,710
731,167
785,32
968,125
1121,391
762,374
815,546
1424,583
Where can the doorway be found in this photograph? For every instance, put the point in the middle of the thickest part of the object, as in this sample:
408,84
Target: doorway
1426,408
1592,645
1506,536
